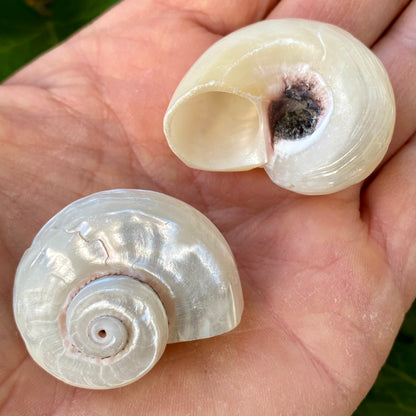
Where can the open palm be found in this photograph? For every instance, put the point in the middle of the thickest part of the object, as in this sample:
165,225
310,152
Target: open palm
326,279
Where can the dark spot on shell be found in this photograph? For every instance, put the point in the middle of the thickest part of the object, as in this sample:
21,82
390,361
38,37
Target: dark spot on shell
296,113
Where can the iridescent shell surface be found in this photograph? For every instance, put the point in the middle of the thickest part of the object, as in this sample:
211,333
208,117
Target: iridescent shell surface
219,116
115,276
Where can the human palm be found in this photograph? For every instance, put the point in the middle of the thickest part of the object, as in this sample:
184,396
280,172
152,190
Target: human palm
326,279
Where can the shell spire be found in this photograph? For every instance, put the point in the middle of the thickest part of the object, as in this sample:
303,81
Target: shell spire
115,276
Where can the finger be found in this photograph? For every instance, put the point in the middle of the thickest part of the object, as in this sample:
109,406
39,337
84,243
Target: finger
366,20
397,52
388,209
135,24
219,16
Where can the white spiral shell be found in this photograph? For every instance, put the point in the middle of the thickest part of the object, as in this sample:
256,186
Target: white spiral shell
115,276
222,116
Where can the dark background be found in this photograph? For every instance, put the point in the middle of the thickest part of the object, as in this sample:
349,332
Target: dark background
29,27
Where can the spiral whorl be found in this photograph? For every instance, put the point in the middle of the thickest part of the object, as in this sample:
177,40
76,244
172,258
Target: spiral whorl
117,316
114,321
115,276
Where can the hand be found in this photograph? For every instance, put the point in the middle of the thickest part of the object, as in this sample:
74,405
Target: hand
327,279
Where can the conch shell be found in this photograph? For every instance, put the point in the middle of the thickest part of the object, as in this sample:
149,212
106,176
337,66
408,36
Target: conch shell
303,99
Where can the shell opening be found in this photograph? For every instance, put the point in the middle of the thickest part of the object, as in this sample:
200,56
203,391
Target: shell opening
218,131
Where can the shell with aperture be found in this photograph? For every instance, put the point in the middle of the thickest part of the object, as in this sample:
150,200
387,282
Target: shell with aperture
219,116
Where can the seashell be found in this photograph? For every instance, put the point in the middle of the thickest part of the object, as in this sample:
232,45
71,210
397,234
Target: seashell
303,99
113,277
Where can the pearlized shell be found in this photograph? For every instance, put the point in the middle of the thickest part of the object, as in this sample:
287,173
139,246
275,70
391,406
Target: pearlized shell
115,272
218,118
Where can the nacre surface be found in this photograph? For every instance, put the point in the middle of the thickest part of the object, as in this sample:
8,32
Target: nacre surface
113,277
219,118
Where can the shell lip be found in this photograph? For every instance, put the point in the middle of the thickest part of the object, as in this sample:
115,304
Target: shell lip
200,142
244,139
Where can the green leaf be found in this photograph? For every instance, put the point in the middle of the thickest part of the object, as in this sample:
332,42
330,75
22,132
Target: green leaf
26,32
394,392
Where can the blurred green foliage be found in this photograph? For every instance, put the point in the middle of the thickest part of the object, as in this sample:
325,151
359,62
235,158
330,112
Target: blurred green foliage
28,28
